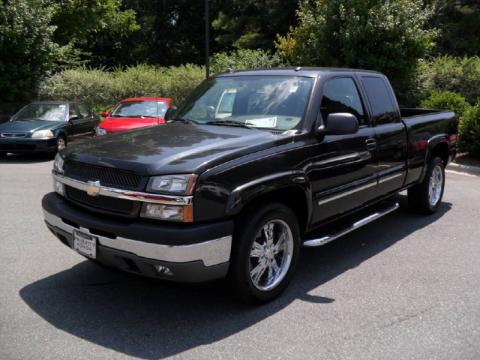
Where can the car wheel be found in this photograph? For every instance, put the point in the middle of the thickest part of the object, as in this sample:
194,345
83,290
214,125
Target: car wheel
265,252
61,143
427,196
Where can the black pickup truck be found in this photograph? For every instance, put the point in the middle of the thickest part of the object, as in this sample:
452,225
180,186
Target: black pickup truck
252,166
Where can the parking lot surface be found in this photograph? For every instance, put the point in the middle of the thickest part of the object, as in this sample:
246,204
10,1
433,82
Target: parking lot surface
404,287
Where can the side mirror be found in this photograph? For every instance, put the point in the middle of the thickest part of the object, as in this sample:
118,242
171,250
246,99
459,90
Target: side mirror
73,117
339,124
105,114
170,112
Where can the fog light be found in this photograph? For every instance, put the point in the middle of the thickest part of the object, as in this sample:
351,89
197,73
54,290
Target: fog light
58,187
163,270
168,212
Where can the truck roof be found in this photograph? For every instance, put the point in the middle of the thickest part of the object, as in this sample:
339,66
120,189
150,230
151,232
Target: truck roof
296,71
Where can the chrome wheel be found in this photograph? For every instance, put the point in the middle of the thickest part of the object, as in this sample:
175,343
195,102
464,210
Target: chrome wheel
271,254
435,185
61,143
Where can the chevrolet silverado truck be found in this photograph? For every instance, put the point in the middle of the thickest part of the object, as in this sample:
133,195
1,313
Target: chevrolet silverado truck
250,168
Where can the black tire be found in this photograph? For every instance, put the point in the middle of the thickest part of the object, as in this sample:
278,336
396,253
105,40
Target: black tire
246,231
60,139
419,195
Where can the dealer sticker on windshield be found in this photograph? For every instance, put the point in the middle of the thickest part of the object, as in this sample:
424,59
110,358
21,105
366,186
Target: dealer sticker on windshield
269,122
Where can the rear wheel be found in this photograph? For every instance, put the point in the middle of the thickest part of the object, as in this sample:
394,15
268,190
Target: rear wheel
427,196
265,253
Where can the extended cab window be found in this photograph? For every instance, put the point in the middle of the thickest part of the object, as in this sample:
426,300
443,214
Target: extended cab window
83,110
383,109
341,96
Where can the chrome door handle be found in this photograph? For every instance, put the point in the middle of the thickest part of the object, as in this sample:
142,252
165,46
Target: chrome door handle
371,144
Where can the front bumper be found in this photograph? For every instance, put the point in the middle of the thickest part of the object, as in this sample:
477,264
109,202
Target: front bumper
190,253
24,145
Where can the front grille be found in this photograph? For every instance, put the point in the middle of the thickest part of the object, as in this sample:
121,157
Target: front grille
104,204
13,135
107,176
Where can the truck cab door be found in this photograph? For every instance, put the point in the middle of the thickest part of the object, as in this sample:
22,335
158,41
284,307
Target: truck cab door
342,170
390,135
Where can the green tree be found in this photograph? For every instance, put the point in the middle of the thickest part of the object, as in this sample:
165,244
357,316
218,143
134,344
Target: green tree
459,25
243,59
253,24
388,36
86,26
27,51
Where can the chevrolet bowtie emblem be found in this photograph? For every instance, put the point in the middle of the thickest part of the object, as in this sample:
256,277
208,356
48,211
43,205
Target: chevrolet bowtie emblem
93,188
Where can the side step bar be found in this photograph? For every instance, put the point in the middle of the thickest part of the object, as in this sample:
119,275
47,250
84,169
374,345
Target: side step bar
357,224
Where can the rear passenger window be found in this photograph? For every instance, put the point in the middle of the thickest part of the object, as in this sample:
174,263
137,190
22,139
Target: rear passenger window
384,110
341,95
83,110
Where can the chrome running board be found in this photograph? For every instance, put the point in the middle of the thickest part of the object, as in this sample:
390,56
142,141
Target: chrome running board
356,225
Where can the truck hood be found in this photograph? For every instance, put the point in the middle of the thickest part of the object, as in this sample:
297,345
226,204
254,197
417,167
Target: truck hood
175,148
29,125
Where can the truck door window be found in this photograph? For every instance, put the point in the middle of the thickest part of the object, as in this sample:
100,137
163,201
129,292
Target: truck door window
384,110
341,95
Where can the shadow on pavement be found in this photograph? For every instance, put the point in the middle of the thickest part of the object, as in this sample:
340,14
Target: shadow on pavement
25,158
151,319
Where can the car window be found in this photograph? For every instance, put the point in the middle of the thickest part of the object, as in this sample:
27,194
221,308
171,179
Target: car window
341,96
46,112
83,109
140,108
383,108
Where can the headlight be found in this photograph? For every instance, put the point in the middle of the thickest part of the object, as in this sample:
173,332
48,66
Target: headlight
172,184
182,213
100,131
42,134
58,163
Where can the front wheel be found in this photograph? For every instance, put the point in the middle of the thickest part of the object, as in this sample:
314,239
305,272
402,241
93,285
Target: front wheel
427,196
265,253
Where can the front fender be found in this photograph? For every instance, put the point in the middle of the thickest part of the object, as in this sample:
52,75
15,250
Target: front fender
289,181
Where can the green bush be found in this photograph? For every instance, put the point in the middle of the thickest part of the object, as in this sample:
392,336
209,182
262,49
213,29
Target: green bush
244,59
102,89
446,100
469,131
446,73
388,36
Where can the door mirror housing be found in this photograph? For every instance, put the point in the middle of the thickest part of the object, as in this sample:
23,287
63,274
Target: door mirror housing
73,117
339,124
170,112
105,114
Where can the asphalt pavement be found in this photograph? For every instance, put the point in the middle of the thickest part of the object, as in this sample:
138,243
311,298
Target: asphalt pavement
404,287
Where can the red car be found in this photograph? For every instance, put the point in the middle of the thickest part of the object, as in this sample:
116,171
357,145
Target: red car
134,113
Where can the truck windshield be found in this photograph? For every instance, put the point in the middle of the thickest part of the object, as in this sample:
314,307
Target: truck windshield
269,102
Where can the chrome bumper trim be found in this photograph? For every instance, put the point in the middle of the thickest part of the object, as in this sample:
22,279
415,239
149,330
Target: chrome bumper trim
125,194
212,252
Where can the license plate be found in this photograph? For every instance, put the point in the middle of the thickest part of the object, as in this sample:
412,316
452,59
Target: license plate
85,244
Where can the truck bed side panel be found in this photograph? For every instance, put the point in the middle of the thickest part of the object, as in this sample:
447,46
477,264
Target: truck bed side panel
424,132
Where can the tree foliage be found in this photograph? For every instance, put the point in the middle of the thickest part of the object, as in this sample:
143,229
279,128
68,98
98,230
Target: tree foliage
27,51
389,36
244,59
253,24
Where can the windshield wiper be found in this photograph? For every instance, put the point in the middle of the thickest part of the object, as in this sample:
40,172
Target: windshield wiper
184,120
227,123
